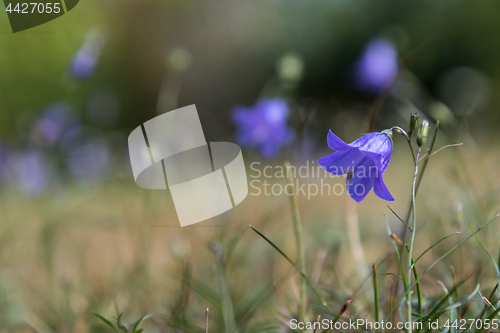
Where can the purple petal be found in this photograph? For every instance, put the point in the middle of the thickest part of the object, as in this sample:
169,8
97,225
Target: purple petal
362,181
31,171
379,148
241,115
335,143
89,160
263,126
269,150
377,66
84,61
274,110
381,190
337,162
83,64
364,140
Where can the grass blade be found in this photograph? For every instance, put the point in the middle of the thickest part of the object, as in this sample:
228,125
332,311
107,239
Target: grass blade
398,255
375,293
456,246
225,296
104,320
486,300
409,228
206,321
435,311
133,326
419,292
448,253
294,265
341,312
492,315
492,259
439,241
401,310
201,289
247,308
463,301
297,226
399,277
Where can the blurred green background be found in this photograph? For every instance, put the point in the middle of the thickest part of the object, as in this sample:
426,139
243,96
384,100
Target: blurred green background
234,47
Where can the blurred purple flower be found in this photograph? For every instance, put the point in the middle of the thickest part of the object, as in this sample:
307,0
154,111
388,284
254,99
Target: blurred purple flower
3,160
84,61
89,161
56,125
30,171
377,66
364,161
263,126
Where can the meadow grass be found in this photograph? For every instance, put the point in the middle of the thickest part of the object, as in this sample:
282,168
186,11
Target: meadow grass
69,253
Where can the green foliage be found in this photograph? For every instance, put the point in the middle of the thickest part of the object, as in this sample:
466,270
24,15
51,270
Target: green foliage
121,327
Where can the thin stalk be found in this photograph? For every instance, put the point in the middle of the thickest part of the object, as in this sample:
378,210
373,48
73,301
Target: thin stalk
297,226
491,297
439,241
339,315
206,322
412,241
403,132
445,255
415,273
396,250
399,277
409,228
421,173
419,292
375,293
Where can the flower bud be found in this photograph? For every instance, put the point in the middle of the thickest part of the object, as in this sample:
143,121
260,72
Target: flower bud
413,121
422,133
290,68
179,59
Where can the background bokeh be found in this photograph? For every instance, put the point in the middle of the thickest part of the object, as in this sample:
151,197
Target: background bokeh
77,235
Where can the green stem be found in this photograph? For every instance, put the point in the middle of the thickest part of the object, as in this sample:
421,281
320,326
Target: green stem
424,166
412,240
415,187
419,293
375,293
206,321
297,225
444,256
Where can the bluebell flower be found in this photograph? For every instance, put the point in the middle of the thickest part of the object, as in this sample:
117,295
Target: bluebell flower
263,126
364,161
31,171
377,66
89,160
3,160
84,61
56,125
